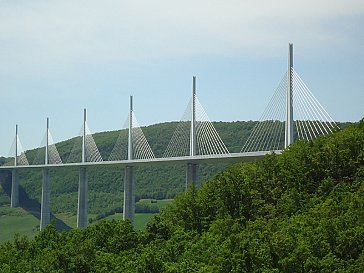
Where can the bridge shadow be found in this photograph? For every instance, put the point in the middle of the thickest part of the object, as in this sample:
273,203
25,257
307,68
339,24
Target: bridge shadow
30,205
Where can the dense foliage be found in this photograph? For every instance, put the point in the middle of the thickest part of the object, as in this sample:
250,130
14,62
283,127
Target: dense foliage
302,211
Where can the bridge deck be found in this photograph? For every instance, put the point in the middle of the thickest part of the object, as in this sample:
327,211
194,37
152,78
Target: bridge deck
226,158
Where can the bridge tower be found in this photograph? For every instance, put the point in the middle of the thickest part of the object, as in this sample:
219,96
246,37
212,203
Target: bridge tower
15,175
289,100
83,183
192,168
45,213
129,178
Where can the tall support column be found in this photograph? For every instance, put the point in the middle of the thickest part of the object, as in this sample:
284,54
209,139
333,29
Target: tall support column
14,188
191,174
289,100
82,199
83,183
129,197
129,178
192,169
14,200
45,212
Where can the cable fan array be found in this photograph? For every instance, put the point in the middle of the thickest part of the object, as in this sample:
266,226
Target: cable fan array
310,121
268,133
53,155
92,152
140,146
310,118
17,148
208,140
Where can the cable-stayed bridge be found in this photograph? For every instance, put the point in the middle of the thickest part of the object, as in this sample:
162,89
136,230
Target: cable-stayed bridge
292,113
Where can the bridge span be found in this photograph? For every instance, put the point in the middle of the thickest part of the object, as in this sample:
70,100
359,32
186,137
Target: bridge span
293,112
182,160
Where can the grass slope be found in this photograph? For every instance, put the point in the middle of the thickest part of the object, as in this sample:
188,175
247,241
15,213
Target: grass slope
19,221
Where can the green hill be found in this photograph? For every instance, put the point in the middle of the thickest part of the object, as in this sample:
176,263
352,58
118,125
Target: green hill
302,211
106,183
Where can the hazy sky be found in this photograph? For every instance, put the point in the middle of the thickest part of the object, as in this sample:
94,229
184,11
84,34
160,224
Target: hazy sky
58,57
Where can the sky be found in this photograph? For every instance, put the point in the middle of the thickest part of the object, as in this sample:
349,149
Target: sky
58,57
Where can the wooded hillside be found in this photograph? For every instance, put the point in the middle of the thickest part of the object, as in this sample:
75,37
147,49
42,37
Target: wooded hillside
106,183
302,211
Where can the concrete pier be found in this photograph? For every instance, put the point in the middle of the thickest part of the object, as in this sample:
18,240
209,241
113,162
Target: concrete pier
191,174
45,213
129,196
82,206
129,178
82,220
14,188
